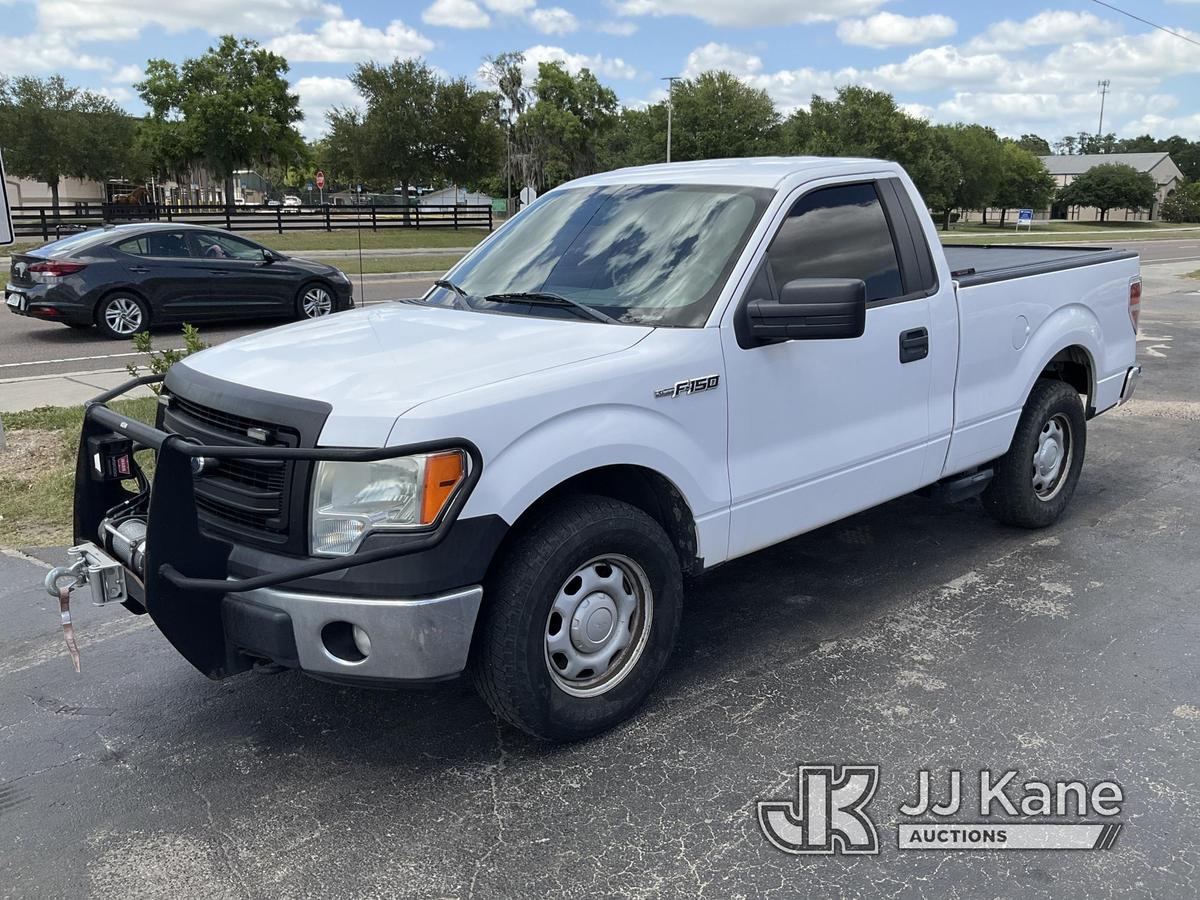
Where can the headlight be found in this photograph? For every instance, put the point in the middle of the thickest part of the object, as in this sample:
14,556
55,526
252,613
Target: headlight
352,499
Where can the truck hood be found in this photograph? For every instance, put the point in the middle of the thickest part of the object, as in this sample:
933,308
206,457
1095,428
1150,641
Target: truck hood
373,365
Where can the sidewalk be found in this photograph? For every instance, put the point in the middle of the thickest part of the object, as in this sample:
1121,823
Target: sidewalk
68,389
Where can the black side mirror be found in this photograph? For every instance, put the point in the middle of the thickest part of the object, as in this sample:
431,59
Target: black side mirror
269,256
811,309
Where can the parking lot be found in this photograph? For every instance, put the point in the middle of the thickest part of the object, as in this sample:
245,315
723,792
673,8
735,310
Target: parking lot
913,636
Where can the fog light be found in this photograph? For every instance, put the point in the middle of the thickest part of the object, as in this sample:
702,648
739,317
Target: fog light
361,640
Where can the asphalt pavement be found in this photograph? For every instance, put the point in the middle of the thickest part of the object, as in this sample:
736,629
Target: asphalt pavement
913,636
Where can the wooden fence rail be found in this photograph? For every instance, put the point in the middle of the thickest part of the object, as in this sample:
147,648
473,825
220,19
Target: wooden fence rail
42,221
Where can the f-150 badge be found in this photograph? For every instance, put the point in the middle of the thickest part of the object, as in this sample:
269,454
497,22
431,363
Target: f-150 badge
690,386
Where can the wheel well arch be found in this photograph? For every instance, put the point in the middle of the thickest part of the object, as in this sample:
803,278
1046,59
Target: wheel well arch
1074,366
640,486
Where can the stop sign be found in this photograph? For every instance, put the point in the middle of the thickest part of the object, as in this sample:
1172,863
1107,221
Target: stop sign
320,179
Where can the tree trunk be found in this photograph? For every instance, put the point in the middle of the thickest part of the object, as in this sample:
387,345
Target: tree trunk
229,192
54,196
946,219
1103,213
404,200
1003,214
985,215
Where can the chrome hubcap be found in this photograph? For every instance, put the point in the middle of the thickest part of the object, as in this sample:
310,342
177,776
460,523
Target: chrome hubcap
317,302
123,315
1052,457
598,625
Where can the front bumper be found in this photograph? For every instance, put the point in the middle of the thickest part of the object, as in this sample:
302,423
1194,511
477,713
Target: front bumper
423,639
214,613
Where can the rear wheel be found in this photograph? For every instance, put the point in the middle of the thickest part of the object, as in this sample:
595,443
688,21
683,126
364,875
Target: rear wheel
314,301
121,316
580,619
1033,483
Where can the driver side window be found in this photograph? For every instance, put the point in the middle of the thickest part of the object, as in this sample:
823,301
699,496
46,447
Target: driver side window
838,232
225,246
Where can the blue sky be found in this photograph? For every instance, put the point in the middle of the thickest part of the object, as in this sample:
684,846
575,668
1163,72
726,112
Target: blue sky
1018,66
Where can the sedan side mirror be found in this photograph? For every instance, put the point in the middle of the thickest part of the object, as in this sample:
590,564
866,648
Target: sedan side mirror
811,309
269,256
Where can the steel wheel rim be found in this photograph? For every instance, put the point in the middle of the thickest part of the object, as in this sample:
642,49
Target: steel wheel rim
1052,457
317,303
123,315
598,625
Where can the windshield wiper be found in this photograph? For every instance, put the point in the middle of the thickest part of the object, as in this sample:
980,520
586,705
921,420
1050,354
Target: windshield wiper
548,298
451,286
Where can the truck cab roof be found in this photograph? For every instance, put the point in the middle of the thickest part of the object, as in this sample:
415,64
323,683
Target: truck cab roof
759,171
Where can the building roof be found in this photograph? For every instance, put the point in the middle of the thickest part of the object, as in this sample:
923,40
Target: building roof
1077,164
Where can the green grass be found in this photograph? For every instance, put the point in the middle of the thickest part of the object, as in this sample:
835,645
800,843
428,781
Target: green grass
37,489
378,265
1195,274
393,239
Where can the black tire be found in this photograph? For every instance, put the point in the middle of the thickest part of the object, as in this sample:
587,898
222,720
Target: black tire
1011,497
511,661
122,299
329,305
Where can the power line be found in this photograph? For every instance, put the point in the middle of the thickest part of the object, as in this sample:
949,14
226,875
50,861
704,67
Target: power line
1182,37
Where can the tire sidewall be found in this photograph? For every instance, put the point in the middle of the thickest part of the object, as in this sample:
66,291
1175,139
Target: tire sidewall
1049,399
562,716
102,324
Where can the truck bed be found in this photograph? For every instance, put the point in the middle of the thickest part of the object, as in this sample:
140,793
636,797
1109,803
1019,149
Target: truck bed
972,264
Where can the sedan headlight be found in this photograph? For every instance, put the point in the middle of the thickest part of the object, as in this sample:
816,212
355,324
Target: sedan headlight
352,499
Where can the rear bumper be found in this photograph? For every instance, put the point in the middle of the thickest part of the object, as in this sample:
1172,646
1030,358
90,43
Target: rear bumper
1130,384
421,639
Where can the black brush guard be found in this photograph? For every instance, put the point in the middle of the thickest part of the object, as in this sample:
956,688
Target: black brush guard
186,570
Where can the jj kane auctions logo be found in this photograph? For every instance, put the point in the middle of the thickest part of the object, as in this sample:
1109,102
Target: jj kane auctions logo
829,814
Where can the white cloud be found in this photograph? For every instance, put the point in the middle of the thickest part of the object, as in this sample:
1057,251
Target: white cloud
1050,27
619,28
554,20
887,29
509,7
1152,55
319,95
46,51
606,66
127,74
350,41
721,57
456,14
940,67
748,13
102,20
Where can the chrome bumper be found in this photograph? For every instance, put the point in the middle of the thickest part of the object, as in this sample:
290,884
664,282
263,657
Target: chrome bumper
1130,385
409,640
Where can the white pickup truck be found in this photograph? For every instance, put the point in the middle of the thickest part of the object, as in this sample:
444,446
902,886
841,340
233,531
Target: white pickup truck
644,374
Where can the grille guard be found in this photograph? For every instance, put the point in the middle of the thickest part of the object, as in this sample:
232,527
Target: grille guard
187,571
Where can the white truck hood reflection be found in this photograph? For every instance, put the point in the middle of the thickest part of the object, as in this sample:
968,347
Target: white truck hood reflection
373,365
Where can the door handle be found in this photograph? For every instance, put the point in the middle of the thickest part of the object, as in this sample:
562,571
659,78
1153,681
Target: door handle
914,344
138,270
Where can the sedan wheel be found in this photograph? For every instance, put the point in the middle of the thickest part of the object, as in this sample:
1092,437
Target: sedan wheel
316,302
122,316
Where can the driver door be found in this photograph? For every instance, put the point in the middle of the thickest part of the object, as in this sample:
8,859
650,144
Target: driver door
820,429
242,282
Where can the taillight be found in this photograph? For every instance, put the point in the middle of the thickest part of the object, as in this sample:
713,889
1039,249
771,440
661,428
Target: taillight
1135,302
50,269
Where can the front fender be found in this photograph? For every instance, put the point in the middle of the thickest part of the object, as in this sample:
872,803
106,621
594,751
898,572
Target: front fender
579,440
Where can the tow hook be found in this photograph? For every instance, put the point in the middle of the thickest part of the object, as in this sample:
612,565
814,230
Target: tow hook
90,566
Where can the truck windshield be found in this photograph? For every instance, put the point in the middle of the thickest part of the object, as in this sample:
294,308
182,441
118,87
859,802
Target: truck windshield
648,254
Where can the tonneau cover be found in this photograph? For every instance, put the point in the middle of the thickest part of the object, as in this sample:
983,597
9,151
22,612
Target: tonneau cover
980,263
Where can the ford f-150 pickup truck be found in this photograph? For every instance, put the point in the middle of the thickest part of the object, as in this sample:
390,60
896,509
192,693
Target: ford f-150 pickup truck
644,374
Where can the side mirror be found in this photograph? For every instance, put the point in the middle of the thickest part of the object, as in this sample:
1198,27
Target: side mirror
811,309
269,256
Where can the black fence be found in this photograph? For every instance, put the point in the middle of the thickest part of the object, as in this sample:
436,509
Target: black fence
42,221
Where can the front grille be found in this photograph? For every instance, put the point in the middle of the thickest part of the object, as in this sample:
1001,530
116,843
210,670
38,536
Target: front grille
241,495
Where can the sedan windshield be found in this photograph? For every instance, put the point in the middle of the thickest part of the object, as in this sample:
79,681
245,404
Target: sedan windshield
640,253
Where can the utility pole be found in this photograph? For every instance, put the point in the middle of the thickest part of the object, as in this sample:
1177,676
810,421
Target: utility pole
1103,87
670,80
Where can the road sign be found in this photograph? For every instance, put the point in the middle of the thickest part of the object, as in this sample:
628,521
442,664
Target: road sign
1025,217
528,195
6,226
320,179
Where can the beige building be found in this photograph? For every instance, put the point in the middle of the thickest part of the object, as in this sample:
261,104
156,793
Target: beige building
1066,169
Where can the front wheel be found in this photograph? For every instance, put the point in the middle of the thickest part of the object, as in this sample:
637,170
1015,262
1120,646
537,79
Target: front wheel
121,316
314,302
1033,482
579,620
